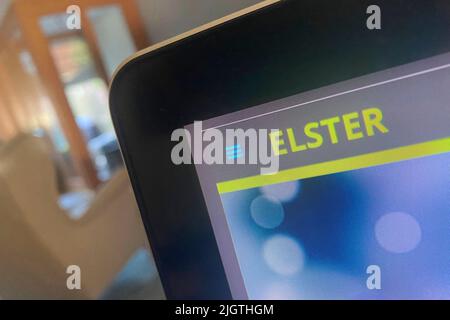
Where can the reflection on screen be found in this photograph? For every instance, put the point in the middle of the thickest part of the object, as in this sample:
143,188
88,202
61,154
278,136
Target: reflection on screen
365,217
315,238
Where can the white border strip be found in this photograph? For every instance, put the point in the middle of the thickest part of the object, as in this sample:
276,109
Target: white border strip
335,95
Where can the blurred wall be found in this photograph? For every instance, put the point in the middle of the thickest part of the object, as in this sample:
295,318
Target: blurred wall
167,18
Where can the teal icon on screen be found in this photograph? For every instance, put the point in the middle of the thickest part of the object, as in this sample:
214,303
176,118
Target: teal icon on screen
234,151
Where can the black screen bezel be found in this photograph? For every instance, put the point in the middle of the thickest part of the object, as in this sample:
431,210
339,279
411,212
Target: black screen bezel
281,50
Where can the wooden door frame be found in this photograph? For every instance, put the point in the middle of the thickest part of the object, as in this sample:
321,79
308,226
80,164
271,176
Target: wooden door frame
28,14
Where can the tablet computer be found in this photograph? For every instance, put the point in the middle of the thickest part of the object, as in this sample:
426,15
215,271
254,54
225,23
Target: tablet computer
295,150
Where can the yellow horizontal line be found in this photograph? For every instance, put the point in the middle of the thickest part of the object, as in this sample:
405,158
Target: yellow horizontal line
340,165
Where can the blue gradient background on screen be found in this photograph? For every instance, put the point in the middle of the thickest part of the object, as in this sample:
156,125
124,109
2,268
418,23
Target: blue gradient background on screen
314,238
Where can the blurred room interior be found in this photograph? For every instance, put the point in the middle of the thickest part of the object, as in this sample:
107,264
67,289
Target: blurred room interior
64,194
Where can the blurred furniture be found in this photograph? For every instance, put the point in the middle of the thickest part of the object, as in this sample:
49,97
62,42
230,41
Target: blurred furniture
53,70
105,150
38,239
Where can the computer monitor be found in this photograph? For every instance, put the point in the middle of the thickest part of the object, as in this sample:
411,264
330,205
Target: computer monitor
291,152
